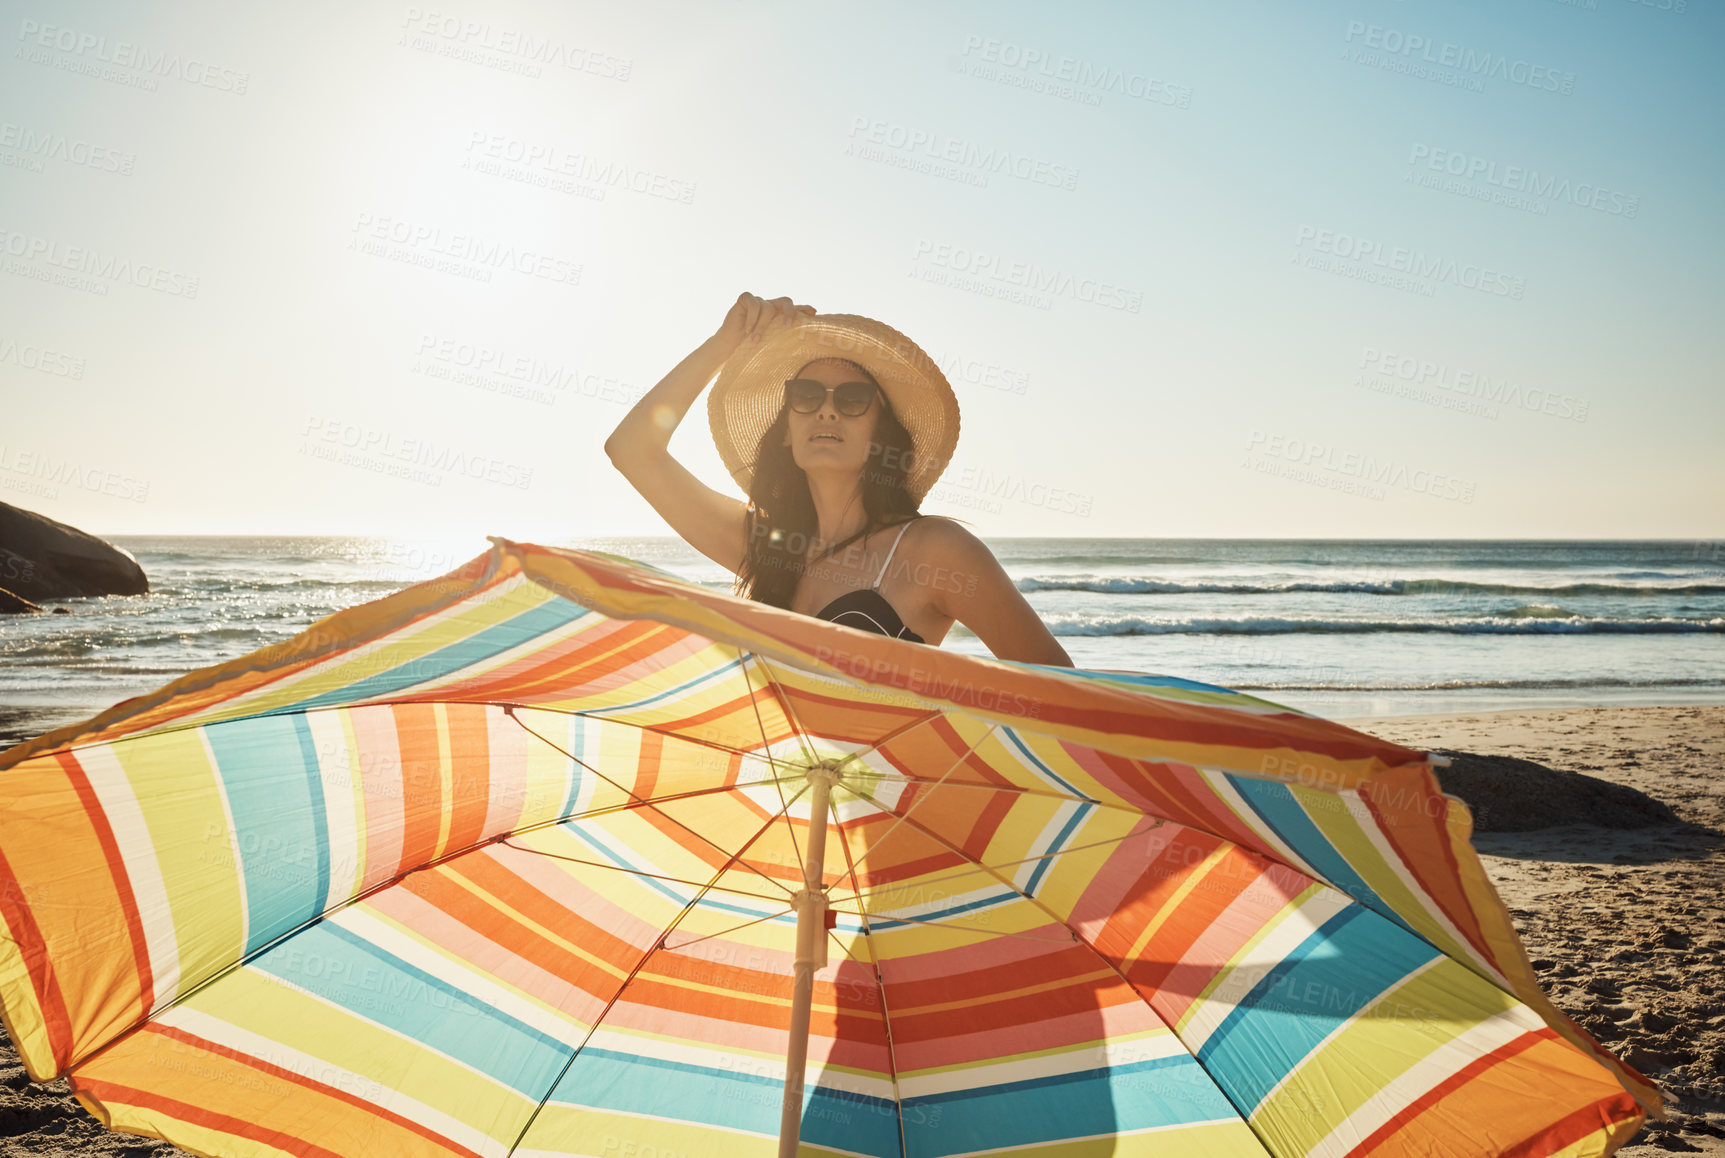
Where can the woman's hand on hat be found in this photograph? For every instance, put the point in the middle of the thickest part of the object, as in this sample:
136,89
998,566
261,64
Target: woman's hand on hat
752,319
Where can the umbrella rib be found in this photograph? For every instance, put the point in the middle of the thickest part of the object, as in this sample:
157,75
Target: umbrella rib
880,986
1005,864
767,745
901,817
639,872
726,932
1111,967
961,928
448,855
510,712
657,944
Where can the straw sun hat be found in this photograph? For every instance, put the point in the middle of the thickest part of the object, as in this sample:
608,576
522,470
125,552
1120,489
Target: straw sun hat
750,390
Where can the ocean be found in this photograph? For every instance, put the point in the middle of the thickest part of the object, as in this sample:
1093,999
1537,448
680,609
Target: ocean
1338,628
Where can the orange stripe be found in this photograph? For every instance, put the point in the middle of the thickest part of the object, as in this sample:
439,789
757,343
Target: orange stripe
1601,1116
45,981
470,759
1494,1089
498,927
1421,839
270,1121
117,869
421,782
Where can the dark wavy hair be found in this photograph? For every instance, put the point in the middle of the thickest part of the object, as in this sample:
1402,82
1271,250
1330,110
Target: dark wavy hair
781,521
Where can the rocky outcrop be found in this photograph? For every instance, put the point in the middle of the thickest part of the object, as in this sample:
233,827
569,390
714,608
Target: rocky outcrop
42,559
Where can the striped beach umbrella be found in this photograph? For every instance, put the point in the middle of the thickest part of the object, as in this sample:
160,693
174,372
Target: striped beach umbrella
560,854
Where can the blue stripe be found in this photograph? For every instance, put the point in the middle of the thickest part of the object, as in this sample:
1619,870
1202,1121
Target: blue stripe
712,675
577,740
880,924
268,768
319,816
494,640
1341,968
1276,804
1144,680
348,971
1167,1091
680,898
1010,736
736,1099
1059,843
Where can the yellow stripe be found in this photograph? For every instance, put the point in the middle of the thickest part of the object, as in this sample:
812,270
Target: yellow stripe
1204,869
129,1119
1270,926
178,794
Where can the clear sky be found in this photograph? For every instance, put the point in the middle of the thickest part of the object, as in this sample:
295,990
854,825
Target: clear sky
1362,268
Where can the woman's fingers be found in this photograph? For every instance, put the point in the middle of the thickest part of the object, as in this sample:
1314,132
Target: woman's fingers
763,316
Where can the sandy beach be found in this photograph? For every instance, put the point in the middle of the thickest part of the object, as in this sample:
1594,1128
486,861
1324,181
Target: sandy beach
1625,926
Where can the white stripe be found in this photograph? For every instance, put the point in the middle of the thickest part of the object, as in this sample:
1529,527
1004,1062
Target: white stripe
1413,1083
1044,843
336,762
725,1059
318,1069
150,893
465,979
721,1059
1379,841
239,863
1159,1043
1219,784
1238,977
1318,1047
1016,744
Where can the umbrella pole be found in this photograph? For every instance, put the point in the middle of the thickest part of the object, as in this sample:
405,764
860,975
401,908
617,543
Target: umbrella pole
811,905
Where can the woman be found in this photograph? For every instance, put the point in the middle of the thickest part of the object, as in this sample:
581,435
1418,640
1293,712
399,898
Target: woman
835,426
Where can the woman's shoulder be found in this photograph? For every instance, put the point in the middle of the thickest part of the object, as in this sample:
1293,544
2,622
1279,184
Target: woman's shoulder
942,537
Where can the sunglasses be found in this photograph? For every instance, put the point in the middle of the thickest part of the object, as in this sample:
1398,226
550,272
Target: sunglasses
805,395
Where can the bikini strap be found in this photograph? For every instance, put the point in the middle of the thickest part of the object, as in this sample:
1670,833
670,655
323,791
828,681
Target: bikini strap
888,563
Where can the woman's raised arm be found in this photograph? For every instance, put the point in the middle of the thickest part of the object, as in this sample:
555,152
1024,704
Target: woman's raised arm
711,522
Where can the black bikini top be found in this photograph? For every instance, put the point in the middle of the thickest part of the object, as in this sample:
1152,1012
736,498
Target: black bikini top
868,609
